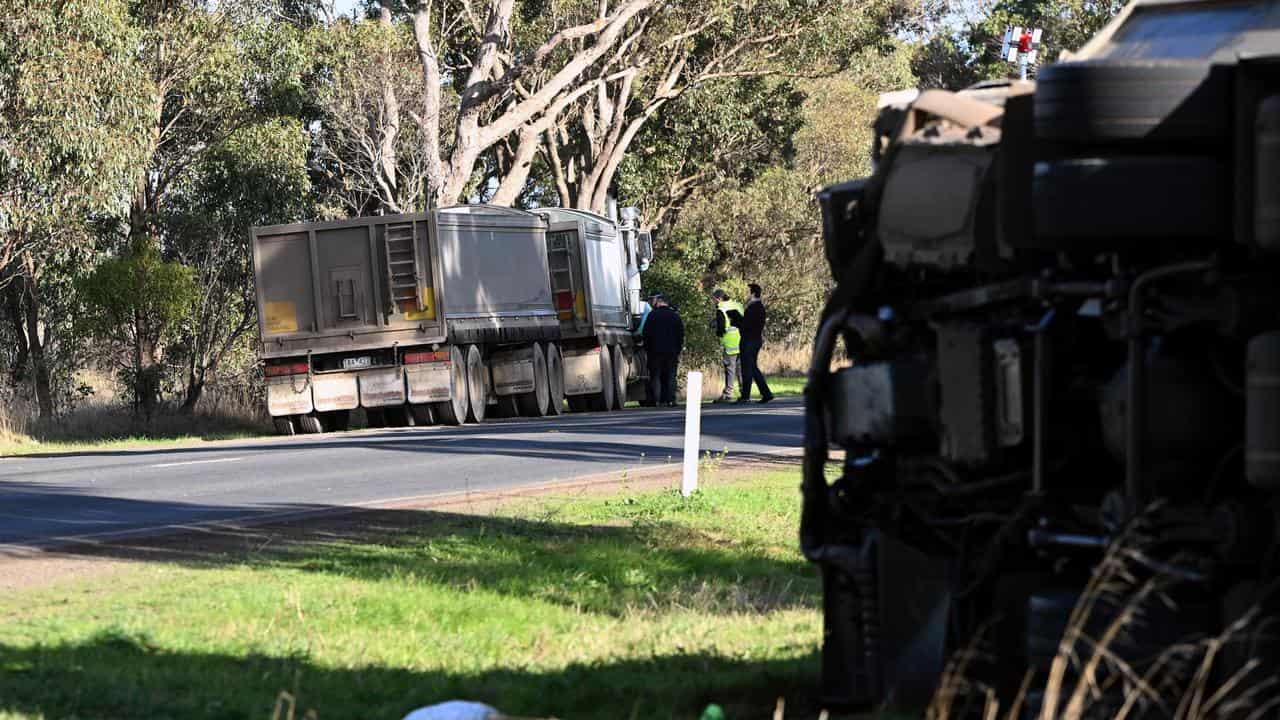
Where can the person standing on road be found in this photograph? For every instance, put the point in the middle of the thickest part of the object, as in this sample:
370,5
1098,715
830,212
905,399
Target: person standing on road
727,319
663,343
752,340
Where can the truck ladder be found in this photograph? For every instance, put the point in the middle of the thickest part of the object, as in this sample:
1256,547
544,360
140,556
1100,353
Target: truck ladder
402,267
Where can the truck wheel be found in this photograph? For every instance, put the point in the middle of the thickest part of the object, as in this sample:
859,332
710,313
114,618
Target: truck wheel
555,380
477,384
1128,200
422,414
603,400
619,378
1091,102
337,420
399,416
284,425
506,406
310,424
535,402
454,410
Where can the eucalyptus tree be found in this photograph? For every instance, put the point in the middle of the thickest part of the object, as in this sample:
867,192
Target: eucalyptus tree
502,87
212,75
70,142
690,45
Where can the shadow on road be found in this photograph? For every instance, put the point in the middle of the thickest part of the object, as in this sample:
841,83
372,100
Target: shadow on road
761,427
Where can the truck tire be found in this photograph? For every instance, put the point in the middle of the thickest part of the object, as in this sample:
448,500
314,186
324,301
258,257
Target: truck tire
310,424
581,403
422,414
619,378
555,380
1129,200
284,425
398,416
536,402
454,410
603,400
506,406
477,385
336,420
1091,102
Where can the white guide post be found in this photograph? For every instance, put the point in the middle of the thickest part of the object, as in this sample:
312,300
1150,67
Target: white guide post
692,433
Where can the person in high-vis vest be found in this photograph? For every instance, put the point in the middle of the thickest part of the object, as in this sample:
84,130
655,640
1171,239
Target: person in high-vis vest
728,318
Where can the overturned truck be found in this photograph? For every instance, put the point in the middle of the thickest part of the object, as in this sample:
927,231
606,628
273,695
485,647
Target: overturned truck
1062,299
447,316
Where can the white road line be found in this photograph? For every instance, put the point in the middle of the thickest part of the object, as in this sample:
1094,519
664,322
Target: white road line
197,462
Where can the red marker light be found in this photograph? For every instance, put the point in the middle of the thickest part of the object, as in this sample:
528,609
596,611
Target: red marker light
1024,42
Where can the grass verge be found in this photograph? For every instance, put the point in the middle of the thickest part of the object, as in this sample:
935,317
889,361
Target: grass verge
17,445
642,605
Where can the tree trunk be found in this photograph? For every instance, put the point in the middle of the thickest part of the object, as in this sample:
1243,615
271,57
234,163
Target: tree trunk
147,368
13,313
515,177
36,347
195,390
388,178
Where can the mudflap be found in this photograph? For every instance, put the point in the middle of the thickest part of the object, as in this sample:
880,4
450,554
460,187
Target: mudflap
885,639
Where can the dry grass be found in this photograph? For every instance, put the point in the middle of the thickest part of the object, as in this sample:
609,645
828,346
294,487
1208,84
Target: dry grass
104,418
1093,677
785,367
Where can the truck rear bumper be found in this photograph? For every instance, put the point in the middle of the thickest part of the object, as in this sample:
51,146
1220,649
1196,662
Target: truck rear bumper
382,387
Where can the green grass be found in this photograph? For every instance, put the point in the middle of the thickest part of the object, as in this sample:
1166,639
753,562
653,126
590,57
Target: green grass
787,385
641,605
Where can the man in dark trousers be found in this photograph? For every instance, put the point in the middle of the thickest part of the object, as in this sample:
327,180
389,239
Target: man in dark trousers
752,340
663,342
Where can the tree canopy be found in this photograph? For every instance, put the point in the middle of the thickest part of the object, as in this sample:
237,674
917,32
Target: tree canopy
141,139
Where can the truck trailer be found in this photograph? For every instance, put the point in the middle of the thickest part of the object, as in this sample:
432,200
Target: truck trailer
595,278
445,316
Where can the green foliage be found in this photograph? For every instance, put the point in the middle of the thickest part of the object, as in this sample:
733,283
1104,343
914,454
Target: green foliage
137,304
71,114
953,57
942,61
765,228
721,132
138,288
682,285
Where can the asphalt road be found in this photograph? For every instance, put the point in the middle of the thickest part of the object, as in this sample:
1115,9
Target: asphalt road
50,500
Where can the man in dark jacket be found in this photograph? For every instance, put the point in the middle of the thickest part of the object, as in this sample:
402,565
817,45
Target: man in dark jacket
752,340
663,342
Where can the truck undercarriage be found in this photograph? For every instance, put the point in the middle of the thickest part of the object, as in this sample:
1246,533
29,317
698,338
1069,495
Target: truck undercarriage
1062,303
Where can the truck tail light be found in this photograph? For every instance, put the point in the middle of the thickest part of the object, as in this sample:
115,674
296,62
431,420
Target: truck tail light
564,300
287,368
414,358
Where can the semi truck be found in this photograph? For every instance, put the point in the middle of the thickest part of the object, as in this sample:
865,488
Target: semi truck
1061,431
447,316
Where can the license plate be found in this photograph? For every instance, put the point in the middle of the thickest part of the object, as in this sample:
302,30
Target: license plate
356,362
